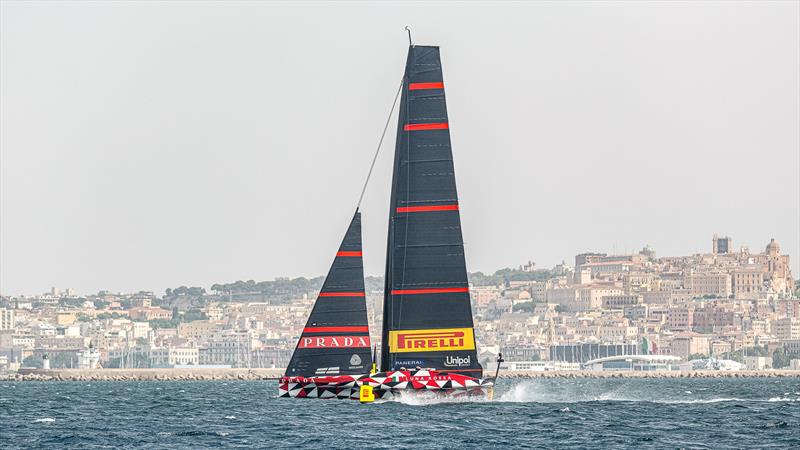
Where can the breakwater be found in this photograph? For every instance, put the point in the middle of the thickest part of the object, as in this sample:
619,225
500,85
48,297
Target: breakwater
223,374
188,374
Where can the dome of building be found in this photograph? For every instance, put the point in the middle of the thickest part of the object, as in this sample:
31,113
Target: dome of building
773,248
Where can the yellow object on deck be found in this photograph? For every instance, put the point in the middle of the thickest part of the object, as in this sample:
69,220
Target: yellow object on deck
365,395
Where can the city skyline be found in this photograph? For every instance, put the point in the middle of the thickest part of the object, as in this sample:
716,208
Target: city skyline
721,303
186,158
730,247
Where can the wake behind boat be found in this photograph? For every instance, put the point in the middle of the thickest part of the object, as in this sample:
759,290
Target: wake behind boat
428,339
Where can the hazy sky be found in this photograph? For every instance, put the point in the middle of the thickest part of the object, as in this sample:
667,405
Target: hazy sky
148,145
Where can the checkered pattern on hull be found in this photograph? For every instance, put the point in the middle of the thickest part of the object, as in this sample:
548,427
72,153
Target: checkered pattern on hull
339,386
385,385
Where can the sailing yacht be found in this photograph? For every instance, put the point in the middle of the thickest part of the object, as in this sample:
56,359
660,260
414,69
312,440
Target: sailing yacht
427,339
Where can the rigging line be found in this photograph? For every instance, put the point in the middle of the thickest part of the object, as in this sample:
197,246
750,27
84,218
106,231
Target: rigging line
380,143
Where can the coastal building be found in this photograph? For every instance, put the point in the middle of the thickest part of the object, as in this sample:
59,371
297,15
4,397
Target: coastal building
721,246
792,347
581,297
680,317
709,283
198,330
148,314
634,363
583,352
757,362
141,330
661,297
788,307
787,328
748,280
89,359
621,301
635,312
229,347
684,345
6,319
183,356
777,268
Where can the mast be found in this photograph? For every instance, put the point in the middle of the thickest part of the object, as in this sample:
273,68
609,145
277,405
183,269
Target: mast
427,315
335,340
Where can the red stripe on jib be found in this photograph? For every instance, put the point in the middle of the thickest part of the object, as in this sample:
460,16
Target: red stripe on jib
428,291
341,294
425,126
411,209
348,254
336,330
418,86
334,342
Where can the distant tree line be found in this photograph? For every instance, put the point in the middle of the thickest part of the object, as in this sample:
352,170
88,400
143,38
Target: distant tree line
289,288
286,288
194,291
524,307
504,277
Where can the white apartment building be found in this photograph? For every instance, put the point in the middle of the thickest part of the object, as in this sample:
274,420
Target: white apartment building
787,328
141,330
183,356
6,319
581,297
230,348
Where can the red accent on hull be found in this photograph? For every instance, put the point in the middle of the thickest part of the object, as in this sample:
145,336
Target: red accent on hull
410,209
428,291
425,126
348,254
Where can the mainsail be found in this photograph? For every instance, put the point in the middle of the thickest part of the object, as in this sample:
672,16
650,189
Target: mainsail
427,316
335,340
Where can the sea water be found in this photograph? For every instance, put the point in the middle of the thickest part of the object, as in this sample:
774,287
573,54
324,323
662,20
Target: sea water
552,413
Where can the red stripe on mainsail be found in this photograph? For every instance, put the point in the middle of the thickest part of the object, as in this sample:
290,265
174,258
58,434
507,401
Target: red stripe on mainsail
418,86
425,126
409,209
341,294
428,291
348,254
336,330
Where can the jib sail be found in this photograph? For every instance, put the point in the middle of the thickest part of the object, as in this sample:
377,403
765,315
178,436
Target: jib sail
335,340
427,318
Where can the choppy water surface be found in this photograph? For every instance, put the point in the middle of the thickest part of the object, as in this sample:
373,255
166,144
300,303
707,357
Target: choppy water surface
579,413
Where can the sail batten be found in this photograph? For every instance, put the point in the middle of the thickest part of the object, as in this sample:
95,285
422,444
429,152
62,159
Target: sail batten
427,310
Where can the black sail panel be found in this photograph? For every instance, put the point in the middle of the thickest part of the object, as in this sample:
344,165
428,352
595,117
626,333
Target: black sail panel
427,310
335,340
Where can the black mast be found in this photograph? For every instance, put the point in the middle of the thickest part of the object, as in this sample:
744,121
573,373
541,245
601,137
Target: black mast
427,318
335,340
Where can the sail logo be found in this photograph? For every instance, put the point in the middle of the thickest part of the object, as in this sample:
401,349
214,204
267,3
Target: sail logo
457,361
334,342
438,340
